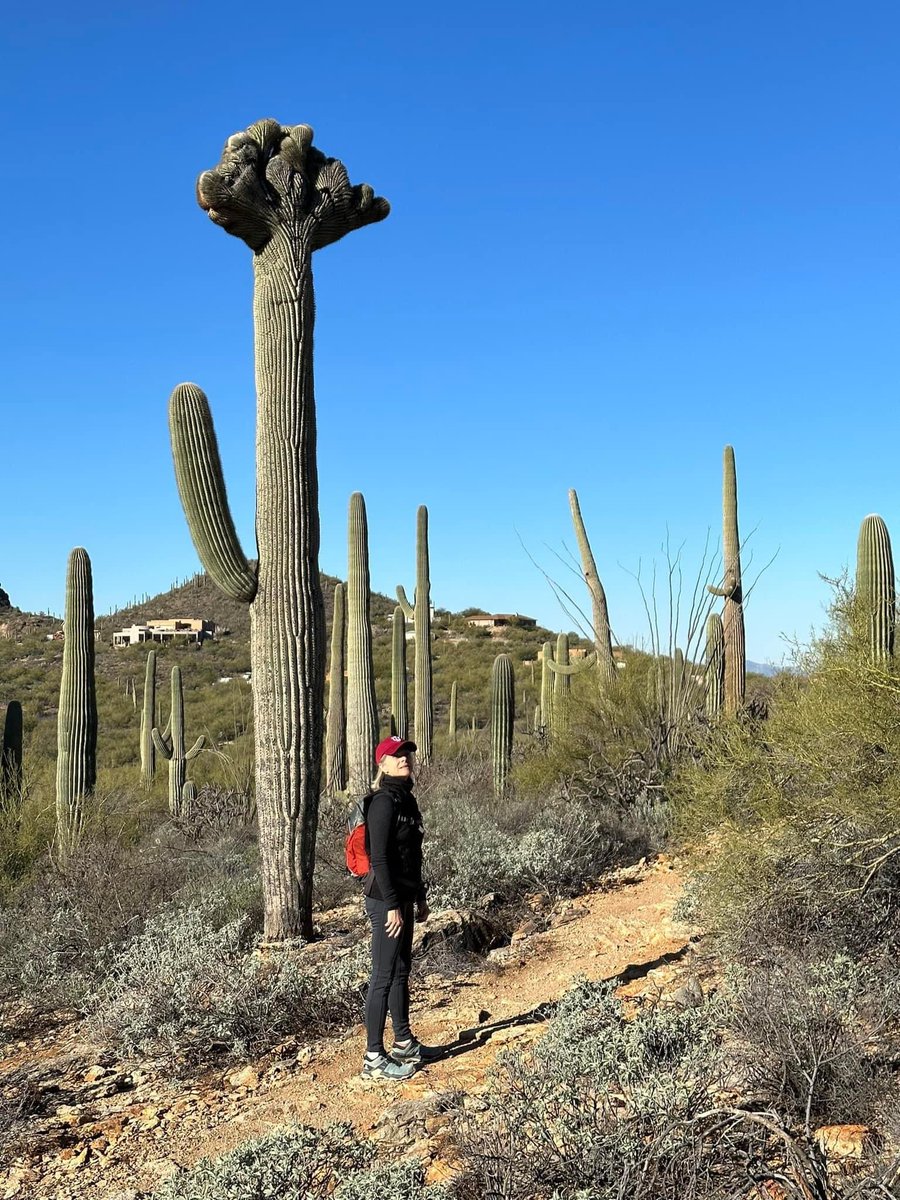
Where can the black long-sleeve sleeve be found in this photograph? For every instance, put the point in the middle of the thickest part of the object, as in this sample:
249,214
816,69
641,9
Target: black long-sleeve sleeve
379,817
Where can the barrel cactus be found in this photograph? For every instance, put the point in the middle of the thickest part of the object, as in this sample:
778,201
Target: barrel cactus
11,755
875,588
171,747
733,611
362,713
286,200
76,736
336,724
420,612
503,713
714,665
148,720
599,611
399,677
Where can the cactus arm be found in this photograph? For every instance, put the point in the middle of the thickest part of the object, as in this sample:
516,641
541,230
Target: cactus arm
599,608
201,486
163,746
424,703
195,749
409,610
572,668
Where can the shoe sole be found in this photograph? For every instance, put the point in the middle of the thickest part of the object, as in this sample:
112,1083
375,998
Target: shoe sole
383,1077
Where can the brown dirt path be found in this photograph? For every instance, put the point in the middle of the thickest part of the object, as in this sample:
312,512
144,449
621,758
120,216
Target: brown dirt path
135,1140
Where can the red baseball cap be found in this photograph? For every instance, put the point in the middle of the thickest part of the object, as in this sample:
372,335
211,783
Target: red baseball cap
394,746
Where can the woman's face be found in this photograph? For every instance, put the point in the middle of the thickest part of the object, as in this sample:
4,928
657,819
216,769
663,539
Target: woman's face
400,766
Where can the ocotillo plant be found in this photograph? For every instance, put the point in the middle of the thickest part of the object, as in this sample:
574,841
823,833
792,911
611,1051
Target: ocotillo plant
76,728
336,725
286,200
362,713
148,720
715,665
399,679
172,747
503,713
11,755
733,612
453,705
421,613
599,611
875,589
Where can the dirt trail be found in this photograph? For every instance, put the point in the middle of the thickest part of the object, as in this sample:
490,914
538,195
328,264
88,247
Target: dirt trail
134,1140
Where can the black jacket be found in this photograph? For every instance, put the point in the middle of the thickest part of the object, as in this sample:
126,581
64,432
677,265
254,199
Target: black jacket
394,835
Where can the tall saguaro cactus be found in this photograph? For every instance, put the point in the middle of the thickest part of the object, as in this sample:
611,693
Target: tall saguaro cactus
606,663
76,728
733,611
503,713
336,725
562,680
421,613
453,708
148,720
875,586
714,665
547,688
172,748
362,712
399,677
286,200
11,753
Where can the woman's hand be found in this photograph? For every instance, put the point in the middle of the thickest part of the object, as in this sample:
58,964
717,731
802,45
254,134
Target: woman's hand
422,910
394,922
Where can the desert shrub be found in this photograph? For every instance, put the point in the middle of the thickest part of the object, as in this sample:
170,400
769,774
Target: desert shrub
190,986
390,1181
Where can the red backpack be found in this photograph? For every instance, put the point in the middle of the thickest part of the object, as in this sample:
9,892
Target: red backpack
356,850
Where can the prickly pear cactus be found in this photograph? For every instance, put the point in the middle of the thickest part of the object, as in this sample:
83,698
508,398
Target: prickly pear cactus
172,747
399,677
362,713
714,665
733,611
148,720
286,200
875,587
336,725
503,713
76,729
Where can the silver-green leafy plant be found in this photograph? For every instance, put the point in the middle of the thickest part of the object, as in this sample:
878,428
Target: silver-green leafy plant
503,714
420,612
76,728
172,747
362,712
286,200
336,724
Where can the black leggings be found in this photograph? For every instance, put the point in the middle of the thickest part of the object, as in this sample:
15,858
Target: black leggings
389,981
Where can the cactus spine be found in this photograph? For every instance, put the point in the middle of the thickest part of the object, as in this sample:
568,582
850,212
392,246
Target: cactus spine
336,726
733,611
421,613
875,588
503,712
76,738
715,665
172,747
362,713
453,703
286,200
599,610
399,681
11,756
148,720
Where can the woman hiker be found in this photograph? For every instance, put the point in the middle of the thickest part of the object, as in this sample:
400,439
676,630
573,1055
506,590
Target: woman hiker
395,898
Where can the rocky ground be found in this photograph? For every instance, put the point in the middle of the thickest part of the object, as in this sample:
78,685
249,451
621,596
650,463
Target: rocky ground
93,1125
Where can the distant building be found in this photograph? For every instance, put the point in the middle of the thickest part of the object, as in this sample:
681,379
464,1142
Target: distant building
499,620
168,629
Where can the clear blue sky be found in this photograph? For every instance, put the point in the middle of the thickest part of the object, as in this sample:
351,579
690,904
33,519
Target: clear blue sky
621,236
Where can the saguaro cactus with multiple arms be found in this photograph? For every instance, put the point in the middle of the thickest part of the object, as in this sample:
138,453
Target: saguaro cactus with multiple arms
399,678
714,665
733,612
286,200
362,712
172,747
503,713
599,612
336,725
148,720
11,753
875,587
76,737
421,613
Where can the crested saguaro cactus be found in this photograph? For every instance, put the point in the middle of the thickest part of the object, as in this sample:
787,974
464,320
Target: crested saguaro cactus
399,677
336,725
76,728
606,663
286,200
503,714
421,614
875,587
362,711
714,665
11,753
733,612
172,748
148,720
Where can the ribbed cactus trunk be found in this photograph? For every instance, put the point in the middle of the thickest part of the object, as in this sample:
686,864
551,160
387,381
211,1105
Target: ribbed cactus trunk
453,706
562,683
606,663
362,712
286,200
11,776
424,713
399,676
503,714
172,747
76,737
547,689
733,611
336,725
875,587
714,665
148,720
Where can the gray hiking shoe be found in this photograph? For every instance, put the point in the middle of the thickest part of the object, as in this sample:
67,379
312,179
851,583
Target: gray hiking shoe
415,1053
383,1067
